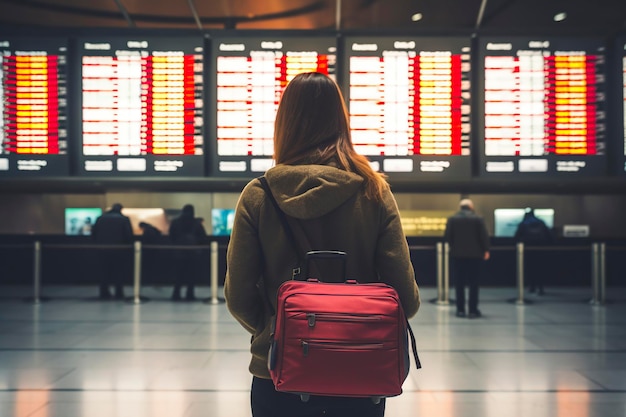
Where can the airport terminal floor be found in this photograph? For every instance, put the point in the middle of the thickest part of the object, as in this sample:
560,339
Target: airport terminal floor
74,356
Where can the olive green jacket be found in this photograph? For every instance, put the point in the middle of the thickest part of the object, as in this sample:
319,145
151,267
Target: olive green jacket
329,207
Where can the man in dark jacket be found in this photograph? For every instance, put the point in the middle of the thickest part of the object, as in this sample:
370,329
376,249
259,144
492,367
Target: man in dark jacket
112,228
532,231
469,248
186,230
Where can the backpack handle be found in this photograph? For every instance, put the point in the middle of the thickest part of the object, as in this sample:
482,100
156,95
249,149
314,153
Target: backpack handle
325,254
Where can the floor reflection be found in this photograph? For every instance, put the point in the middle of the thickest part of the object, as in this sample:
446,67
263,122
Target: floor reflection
76,357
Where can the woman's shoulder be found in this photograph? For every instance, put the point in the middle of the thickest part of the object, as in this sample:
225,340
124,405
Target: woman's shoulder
252,195
388,199
253,189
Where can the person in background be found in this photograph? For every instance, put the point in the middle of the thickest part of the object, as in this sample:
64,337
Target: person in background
186,230
338,202
532,231
149,232
151,258
85,229
112,228
469,249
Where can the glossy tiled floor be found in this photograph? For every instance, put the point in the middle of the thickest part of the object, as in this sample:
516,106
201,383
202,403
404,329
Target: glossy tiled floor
74,356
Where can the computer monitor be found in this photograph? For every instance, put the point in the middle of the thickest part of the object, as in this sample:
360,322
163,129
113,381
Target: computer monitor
222,221
79,220
507,219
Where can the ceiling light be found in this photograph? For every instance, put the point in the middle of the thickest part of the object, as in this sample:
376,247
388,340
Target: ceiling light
559,17
416,17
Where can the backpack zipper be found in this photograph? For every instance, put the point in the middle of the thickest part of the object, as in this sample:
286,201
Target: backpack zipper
312,318
332,345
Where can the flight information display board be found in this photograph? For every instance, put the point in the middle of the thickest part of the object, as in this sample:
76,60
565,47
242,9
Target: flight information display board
544,107
142,106
33,107
409,103
250,74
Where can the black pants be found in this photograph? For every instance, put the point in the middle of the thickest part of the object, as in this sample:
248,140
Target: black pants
267,402
466,273
115,268
535,269
187,264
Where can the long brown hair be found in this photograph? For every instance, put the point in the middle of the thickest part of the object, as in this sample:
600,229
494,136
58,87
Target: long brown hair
312,127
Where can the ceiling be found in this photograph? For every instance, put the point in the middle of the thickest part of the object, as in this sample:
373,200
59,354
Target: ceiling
441,16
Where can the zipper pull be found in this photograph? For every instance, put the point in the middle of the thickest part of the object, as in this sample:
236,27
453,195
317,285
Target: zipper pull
311,319
295,273
305,347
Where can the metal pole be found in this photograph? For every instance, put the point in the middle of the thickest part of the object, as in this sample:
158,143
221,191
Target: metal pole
439,247
602,273
37,272
520,273
481,14
338,14
594,274
446,273
137,273
214,273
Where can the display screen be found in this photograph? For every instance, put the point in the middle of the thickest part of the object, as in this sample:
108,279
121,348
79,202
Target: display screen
506,220
409,103
33,107
142,106
222,221
424,222
156,217
250,75
80,220
544,106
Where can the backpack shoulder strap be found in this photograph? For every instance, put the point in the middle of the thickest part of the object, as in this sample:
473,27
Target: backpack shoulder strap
418,364
286,227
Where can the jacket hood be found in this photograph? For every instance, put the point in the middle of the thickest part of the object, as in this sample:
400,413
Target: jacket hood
311,191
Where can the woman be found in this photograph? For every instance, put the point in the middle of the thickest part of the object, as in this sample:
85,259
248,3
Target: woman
339,203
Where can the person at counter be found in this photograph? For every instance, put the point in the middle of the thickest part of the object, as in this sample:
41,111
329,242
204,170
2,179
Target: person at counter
112,228
186,230
150,233
469,248
532,231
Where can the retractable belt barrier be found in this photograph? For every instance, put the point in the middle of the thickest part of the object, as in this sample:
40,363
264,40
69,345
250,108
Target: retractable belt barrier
137,247
442,250
598,269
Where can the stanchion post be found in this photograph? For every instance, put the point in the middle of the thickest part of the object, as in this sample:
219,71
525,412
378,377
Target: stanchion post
520,273
214,272
37,272
439,250
595,279
446,273
602,272
137,273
